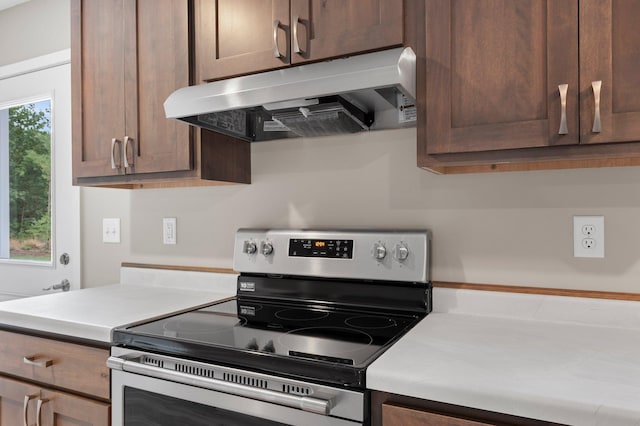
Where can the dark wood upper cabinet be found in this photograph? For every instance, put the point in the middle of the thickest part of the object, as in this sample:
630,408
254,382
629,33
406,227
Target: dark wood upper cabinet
610,53
236,37
123,69
127,57
98,85
492,74
490,97
159,53
324,29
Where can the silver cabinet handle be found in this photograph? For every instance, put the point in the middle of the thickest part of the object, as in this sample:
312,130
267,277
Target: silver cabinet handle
39,411
30,360
296,43
114,166
597,126
276,52
563,104
63,285
27,398
127,141
306,403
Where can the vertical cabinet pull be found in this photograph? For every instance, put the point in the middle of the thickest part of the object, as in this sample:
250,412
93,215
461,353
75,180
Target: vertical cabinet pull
114,165
39,411
276,52
296,43
597,126
563,104
129,141
27,398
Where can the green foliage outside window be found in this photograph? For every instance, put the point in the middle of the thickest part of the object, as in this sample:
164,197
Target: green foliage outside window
30,181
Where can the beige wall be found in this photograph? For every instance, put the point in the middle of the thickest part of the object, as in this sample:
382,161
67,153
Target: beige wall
33,29
511,228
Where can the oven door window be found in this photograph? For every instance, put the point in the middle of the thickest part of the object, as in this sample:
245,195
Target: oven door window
144,408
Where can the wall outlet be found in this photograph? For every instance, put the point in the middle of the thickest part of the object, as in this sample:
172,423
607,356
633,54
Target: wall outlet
169,230
111,230
588,236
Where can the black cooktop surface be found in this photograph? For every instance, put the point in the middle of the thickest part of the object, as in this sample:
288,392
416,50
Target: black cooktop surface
302,340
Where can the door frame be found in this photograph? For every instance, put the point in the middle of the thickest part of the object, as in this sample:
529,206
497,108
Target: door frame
60,179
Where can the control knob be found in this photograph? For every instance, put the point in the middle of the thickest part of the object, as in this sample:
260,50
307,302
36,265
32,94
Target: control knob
379,251
401,252
266,248
250,247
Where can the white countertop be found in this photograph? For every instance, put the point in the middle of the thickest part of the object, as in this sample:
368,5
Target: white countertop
93,313
560,359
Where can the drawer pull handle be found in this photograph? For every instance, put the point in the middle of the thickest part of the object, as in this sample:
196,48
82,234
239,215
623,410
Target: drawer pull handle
563,104
27,398
45,363
596,85
39,411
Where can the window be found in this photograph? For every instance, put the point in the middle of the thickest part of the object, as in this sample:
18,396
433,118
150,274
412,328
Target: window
25,181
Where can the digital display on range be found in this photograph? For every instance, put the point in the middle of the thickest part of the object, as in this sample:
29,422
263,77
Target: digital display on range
333,249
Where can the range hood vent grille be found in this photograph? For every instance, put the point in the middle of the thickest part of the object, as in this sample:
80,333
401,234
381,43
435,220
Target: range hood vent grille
364,92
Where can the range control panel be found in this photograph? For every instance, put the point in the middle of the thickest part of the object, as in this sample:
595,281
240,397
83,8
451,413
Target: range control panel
332,249
359,254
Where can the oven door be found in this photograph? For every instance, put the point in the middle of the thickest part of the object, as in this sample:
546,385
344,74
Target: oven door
152,394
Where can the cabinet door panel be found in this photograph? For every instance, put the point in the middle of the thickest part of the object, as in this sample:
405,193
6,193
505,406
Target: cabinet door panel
492,74
393,415
330,28
12,395
610,52
235,37
162,59
98,92
63,409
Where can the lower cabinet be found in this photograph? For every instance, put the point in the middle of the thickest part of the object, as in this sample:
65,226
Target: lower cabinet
394,415
25,403
389,409
47,382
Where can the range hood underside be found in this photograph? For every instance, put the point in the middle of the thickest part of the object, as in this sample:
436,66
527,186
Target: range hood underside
365,92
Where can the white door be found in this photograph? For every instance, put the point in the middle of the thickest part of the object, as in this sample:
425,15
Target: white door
37,235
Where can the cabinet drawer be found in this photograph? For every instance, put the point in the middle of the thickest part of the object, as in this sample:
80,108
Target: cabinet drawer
66,365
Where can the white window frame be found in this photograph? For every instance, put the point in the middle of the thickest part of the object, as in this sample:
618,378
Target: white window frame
4,180
4,184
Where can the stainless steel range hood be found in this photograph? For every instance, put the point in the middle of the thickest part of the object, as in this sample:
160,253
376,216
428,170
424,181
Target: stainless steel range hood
364,92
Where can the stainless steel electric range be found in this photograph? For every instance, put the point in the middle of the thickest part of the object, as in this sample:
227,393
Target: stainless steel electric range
313,310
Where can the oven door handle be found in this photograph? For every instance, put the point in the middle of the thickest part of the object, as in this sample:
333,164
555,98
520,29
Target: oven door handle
306,403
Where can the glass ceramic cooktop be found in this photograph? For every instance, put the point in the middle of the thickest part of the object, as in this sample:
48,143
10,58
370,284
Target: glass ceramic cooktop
349,338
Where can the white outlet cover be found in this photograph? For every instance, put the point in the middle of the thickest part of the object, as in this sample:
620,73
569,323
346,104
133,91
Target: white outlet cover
111,230
588,244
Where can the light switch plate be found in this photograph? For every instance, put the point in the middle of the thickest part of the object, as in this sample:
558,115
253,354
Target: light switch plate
169,230
111,230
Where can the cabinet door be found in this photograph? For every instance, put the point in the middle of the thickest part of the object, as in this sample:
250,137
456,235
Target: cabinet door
157,63
61,408
98,86
393,415
330,28
12,402
235,37
493,68
612,57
